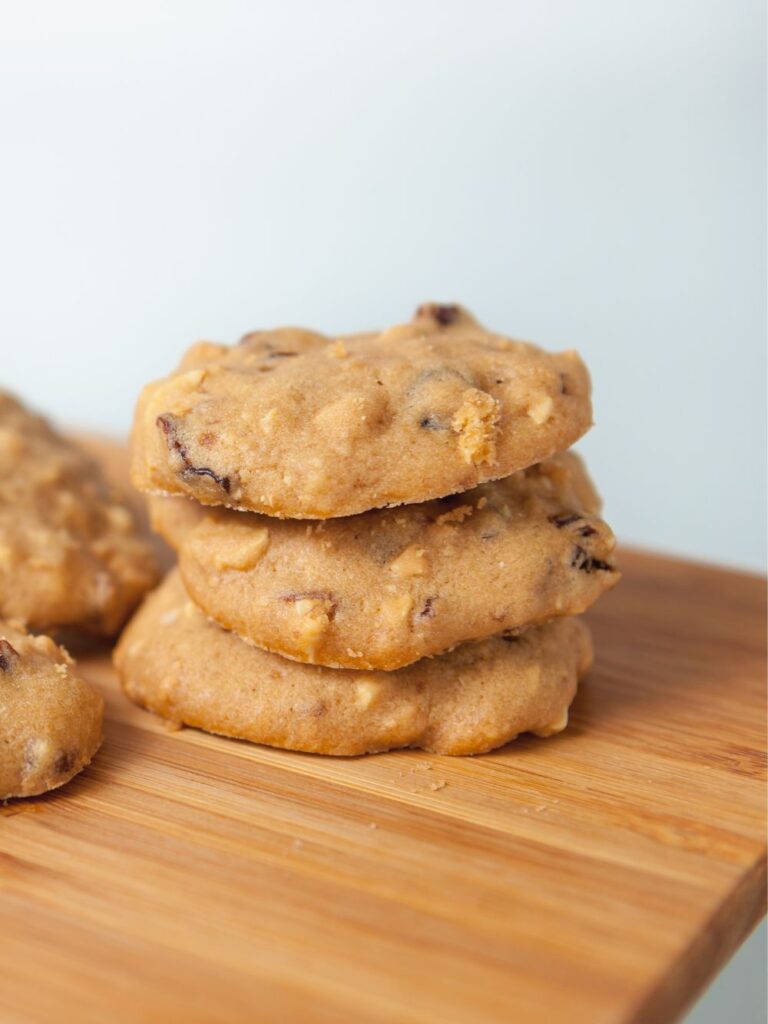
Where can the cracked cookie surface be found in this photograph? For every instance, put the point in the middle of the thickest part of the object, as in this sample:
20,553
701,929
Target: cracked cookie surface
70,551
50,718
294,424
388,587
176,662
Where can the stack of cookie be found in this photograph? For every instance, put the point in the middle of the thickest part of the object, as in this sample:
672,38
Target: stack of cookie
382,539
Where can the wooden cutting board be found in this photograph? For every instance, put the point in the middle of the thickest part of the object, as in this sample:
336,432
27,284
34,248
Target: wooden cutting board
601,876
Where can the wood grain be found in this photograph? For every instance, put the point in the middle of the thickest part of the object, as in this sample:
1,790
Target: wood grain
602,876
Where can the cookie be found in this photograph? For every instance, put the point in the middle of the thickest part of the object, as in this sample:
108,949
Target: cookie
70,551
176,662
381,590
293,424
50,718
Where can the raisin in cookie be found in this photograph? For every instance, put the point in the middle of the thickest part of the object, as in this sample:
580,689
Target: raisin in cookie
50,718
292,424
176,662
70,551
386,588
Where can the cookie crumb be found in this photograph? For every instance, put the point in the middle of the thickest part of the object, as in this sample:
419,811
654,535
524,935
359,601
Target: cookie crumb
438,785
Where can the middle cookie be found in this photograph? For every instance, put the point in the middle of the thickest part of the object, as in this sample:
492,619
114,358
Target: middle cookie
383,589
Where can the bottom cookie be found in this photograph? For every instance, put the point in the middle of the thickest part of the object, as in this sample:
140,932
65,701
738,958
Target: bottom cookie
50,718
176,662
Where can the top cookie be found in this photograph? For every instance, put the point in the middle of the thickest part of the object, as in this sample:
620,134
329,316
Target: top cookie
70,552
293,424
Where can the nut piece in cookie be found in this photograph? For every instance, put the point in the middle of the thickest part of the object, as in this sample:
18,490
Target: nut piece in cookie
50,718
477,423
71,555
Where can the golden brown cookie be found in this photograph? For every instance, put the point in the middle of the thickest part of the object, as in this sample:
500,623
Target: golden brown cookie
50,718
176,662
292,424
388,587
70,551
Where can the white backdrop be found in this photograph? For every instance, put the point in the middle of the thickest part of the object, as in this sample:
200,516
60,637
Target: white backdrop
585,174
